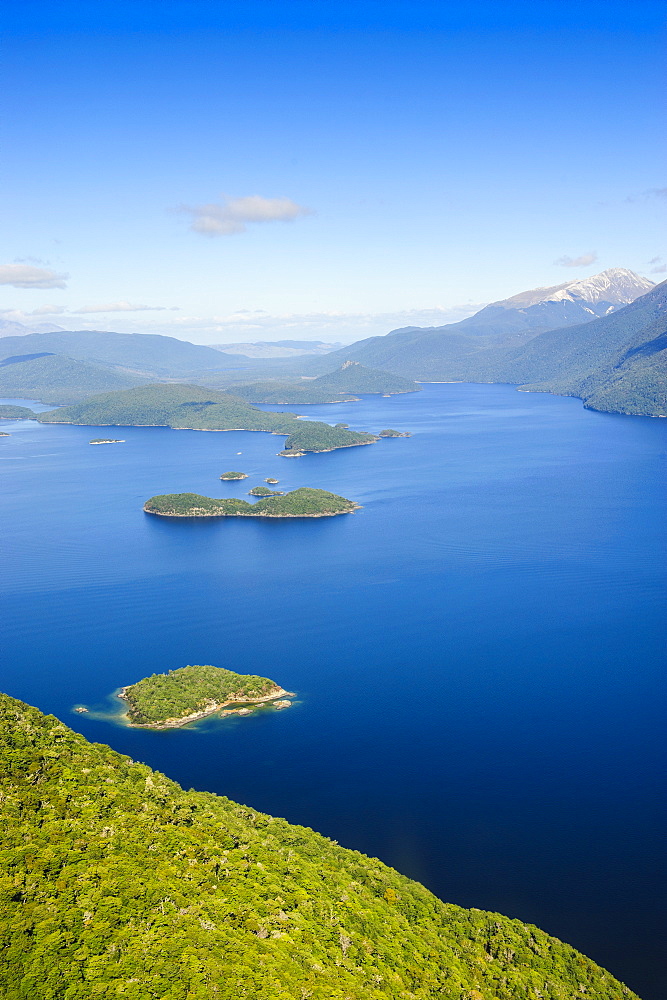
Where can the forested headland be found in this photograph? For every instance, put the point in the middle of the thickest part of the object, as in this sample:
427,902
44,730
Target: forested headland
117,883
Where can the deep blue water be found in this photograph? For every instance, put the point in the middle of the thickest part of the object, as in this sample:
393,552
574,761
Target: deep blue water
478,653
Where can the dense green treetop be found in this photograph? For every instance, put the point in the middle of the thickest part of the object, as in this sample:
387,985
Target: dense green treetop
180,693
304,502
8,412
194,408
116,883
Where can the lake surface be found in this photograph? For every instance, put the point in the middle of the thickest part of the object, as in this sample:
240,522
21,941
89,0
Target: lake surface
478,653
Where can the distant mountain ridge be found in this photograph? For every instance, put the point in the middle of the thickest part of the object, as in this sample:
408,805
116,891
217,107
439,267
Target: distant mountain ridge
53,378
149,355
430,352
615,361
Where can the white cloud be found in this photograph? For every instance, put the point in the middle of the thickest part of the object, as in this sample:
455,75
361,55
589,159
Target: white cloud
660,269
235,214
109,307
583,261
27,276
48,311
248,325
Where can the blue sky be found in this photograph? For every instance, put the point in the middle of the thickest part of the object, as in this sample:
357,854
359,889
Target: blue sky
318,169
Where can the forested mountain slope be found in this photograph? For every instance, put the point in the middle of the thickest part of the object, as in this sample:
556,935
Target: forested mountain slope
146,354
117,883
53,378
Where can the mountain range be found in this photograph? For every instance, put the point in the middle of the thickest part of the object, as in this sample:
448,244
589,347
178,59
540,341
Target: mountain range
602,338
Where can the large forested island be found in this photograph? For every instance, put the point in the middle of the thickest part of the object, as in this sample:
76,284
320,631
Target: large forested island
189,407
304,502
117,883
334,387
166,701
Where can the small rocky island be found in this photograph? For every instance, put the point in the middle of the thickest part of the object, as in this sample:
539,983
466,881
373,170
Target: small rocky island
174,699
232,476
107,441
271,480
263,491
304,502
390,433
3,434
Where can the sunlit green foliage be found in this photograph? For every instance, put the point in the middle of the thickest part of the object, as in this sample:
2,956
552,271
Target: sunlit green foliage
304,502
191,689
116,883
191,407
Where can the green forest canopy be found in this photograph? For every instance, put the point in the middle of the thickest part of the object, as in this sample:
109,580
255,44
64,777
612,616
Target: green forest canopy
190,689
117,883
194,408
304,502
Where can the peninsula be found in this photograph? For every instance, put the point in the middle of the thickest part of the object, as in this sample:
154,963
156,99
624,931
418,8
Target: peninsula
304,502
174,699
190,407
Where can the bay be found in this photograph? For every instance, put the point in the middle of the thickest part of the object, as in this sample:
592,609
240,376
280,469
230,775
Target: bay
478,653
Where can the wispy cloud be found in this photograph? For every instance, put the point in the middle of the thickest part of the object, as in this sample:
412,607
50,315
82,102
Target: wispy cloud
583,261
234,215
656,193
50,310
113,307
27,276
660,269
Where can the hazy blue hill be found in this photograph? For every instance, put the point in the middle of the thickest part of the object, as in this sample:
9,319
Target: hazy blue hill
192,407
471,349
341,384
53,378
146,354
117,883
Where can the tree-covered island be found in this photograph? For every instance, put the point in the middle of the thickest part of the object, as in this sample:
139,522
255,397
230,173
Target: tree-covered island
232,476
304,502
264,491
189,407
174,699
390,433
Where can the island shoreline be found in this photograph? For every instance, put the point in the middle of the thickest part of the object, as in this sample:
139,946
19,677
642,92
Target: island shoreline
204,713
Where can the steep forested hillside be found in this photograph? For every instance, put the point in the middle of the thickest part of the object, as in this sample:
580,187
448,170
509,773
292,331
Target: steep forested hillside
117,883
